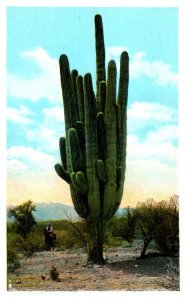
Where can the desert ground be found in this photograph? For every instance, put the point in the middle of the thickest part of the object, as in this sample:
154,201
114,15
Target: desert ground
123,271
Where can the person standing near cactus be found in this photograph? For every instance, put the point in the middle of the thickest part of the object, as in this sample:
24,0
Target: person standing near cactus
93,153
49,227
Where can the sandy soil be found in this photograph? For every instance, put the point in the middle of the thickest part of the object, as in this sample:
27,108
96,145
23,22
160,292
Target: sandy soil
121,272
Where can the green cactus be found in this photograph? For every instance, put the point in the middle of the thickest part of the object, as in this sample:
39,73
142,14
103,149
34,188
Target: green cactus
93,154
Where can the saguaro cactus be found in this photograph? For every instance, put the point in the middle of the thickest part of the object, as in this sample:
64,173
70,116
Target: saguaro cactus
93,153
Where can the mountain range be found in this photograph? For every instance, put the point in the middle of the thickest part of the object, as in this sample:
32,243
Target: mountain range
55,211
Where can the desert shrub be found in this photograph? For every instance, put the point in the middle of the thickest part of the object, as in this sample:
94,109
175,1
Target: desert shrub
78,230
26,246
122,227
167,233
12,253
72,235
67,241
150,215
33,243
12,260
23,218
159,222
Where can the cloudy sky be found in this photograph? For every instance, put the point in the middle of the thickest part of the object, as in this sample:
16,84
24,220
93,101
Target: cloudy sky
36,37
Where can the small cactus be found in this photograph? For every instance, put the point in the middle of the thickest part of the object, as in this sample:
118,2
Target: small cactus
54,274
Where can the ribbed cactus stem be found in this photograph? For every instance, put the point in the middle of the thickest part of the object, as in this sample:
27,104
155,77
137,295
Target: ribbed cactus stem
102,96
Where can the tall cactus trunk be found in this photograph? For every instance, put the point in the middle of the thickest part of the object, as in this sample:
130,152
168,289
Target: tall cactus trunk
93,152
95,241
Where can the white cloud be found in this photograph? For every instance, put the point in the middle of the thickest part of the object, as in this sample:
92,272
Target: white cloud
141,114
19,116
164,151
46,138
165,133
150,171
53,115
15,166
114,52
48,132
157,70
44,84
139,66
30,157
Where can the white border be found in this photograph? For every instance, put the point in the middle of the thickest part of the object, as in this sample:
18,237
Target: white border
181,4
93,3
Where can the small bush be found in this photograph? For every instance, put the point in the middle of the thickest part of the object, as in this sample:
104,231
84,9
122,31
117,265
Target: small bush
12,260
31,245
172,280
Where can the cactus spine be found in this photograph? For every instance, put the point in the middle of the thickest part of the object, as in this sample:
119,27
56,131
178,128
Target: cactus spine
93,154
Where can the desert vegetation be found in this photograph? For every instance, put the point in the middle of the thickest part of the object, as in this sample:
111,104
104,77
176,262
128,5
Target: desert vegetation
148,233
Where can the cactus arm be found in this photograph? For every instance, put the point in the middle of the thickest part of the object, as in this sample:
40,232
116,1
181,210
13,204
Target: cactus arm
75,150
79,202
62,173
101,171
110,123
63,154
100,52
101,136
80,95
91,147
124,80
81,136
74,75
122,122
67,91
82,182
122,102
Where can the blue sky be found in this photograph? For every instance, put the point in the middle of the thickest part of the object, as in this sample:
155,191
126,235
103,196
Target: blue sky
36,37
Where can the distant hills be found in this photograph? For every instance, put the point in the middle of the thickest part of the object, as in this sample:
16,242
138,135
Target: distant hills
56,211
52,211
